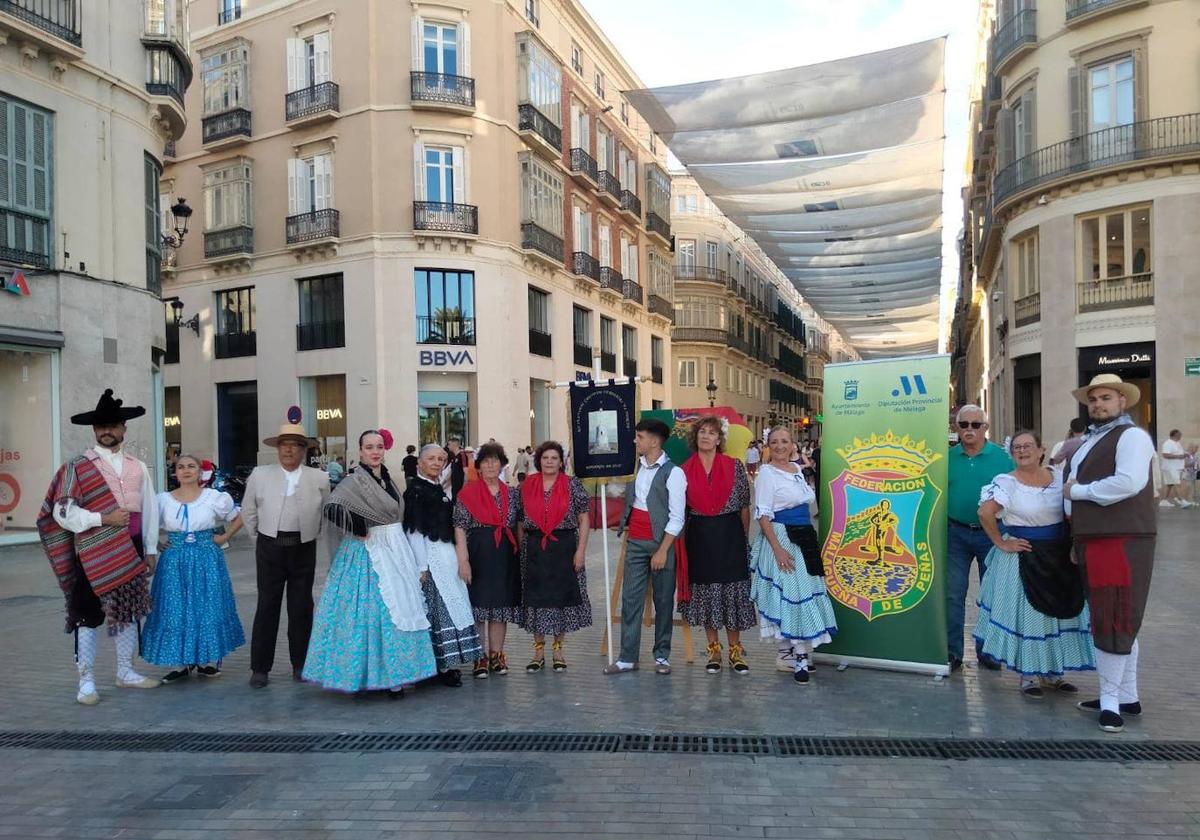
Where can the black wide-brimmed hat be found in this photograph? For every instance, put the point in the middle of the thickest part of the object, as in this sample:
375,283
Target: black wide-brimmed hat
107,412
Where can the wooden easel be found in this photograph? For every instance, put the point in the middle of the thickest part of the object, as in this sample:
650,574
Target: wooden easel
689,649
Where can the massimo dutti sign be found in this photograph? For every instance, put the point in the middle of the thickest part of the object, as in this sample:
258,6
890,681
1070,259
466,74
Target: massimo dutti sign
1114,357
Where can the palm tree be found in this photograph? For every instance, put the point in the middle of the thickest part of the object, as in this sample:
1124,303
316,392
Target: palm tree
448,326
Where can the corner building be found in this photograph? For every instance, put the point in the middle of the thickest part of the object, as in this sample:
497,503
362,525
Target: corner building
1083,235
415,215
91,92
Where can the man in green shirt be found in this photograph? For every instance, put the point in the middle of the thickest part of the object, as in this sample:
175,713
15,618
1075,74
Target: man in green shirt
972,465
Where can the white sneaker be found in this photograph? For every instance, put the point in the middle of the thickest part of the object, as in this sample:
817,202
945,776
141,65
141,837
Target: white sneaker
87,696
1167,504
1184,503
132,679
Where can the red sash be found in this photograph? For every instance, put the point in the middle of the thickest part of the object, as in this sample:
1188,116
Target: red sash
477,499
546,514
639,525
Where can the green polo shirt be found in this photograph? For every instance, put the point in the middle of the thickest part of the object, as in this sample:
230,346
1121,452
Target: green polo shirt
968,477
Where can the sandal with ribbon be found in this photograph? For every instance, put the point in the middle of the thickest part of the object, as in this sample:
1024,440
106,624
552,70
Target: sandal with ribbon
713,666
737,659
560,663
539,658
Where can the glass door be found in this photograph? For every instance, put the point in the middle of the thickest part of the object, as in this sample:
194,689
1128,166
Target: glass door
1111,109
442,415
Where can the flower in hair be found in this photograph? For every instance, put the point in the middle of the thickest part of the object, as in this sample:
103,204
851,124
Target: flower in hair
388,440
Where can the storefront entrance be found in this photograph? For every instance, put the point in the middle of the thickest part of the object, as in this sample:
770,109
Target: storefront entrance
442,415
237,425
28,443
1133,363
323,407
1027,396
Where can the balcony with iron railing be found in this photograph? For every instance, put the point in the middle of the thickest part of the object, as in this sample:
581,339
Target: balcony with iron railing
608,361
1115,292
305,228
656,374
739,344
312,104
539,342
658,305
583,355
444,217
320,335
226,128
1164,138
167,75
611,280
1028,309
1014,37
24,239
445,329
710,335
234,344
62,20
442,90
585,265
631,205
542,135
538,240
230,242
584,167
656,225
609,186
632,290
629,367
702,274
1080,11
229,13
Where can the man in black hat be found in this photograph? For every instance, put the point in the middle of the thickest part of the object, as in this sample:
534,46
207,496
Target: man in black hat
99,527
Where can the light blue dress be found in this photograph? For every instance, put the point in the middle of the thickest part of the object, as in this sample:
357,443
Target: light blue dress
1009,629
371,630
194,619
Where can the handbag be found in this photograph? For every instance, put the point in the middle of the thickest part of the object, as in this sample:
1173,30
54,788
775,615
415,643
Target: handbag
804,537
1052,583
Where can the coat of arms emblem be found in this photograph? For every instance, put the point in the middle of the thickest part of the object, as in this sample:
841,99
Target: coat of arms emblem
878,557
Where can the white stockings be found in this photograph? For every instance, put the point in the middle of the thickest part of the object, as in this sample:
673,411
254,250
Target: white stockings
1118,678
85,659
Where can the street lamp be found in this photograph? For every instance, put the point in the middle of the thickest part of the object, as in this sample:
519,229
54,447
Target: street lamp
192,323
181,213
711,387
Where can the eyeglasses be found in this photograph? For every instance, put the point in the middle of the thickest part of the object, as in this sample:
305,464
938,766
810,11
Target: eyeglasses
971,424
1024,447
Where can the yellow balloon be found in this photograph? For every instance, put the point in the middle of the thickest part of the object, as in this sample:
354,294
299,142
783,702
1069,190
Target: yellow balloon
737,441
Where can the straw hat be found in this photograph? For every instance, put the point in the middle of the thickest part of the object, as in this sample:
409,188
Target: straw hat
291,431
1110,380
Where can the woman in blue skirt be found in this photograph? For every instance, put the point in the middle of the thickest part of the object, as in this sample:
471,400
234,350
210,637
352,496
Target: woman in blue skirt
1028,502
194,623
371,631
793,607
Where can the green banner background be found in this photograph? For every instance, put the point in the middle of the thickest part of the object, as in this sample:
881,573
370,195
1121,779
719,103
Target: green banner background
862,398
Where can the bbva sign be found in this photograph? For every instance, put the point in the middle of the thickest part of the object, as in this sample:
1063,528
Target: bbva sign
445,359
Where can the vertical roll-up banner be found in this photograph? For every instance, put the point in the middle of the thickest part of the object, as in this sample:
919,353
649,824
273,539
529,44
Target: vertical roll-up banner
883,511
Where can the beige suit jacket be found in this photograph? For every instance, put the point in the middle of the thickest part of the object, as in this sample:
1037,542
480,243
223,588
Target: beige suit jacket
262,504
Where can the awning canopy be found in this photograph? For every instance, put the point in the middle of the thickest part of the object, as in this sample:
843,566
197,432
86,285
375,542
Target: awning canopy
835,170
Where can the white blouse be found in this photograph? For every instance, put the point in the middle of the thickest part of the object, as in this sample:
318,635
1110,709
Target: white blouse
211,508
775,490
1021,504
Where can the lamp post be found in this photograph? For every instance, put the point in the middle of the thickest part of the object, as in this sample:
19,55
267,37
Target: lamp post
711,387
192,323
180,212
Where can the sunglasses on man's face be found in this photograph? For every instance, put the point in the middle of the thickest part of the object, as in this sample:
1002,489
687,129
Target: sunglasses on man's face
971,424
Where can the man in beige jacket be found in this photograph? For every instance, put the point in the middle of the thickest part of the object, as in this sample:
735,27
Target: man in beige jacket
282,507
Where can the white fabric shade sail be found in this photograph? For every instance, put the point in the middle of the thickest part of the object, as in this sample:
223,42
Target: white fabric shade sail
835,170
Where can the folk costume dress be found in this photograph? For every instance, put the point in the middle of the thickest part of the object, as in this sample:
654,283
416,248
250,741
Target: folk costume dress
554,596
714,590
793,607
491,550
429,526
370,631
1009,628
195,618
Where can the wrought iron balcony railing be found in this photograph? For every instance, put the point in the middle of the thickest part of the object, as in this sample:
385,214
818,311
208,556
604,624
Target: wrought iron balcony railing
539,342
1028,310
443,216
1147,140
701,272
165,73
309,101
609,183
629,367
611,279
1080,8
656,374
632,290
738,343
608,361
229,242
659,226
432,329
1115,292
585,265
531,119
229,14
60,18
630,203
229,124
1017,31
584,164
712,335
24,239
232,345
318,224
583,355
442,89
320,335
536,238
660,306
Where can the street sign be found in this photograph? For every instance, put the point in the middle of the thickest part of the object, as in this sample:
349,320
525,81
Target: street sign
1191,367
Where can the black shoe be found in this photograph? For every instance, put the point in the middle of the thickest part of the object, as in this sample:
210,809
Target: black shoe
1130,709
258,680
1034,691
955,663
208,670
800,673
989,663
176,676
298,674
1111,722
452,678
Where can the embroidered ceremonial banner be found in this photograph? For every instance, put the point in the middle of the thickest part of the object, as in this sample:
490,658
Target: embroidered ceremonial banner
883,510
602,428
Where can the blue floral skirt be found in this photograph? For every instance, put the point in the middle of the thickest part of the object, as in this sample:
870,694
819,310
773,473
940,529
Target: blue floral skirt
354,644
791,606
194,620
1011,631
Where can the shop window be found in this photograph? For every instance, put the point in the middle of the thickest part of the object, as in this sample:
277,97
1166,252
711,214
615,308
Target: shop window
323,406
27,444
445,306
235,334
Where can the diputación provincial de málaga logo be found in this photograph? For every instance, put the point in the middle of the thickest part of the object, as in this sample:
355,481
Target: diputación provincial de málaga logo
878,558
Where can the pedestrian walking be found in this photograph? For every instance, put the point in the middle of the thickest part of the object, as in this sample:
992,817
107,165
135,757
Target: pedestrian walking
194,624
409,464
282,509
1067,446
753,458
972,465
1110,499
1173,461
788,586
99,528
1044,639
454,474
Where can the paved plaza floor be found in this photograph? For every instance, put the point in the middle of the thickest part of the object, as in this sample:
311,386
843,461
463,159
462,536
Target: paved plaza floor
99,793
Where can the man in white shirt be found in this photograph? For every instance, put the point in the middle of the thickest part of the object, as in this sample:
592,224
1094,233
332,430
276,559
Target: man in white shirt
753,457
655,503
99,528
1173,455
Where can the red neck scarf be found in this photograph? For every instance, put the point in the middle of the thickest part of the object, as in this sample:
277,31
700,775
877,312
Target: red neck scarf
477,499
545,513
707,493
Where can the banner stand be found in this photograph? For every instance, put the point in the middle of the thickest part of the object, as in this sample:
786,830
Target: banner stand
842,662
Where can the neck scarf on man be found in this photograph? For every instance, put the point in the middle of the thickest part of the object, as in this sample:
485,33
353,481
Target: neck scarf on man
707,493
478,499
546,514
1099,429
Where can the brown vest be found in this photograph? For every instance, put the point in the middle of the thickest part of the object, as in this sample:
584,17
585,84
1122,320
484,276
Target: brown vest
1135,516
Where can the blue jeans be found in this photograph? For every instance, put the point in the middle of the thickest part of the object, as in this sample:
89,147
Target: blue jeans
963,546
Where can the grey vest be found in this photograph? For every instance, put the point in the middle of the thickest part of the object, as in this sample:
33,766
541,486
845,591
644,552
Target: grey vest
658,500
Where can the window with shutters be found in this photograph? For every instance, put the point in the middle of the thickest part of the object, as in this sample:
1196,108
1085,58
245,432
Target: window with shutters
576,58
710,255
581,232
310,184
531,11
230,10
685,255
152,171
629,350
581,327
309,61
439,45
605,255
629,258
26,172
608,335
541,194
581,135
624,111
226,81
605,149
598,83
687,373
228,196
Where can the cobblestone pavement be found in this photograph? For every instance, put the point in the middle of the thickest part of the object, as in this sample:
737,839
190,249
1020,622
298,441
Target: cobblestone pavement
413,795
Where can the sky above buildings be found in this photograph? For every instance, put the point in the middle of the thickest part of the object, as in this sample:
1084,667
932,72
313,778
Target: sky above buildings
669,42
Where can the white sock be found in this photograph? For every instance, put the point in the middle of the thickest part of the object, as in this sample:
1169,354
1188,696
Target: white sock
1129,691
1026,682
126,642
785,650
624,666
1110,667
802,650
85,659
